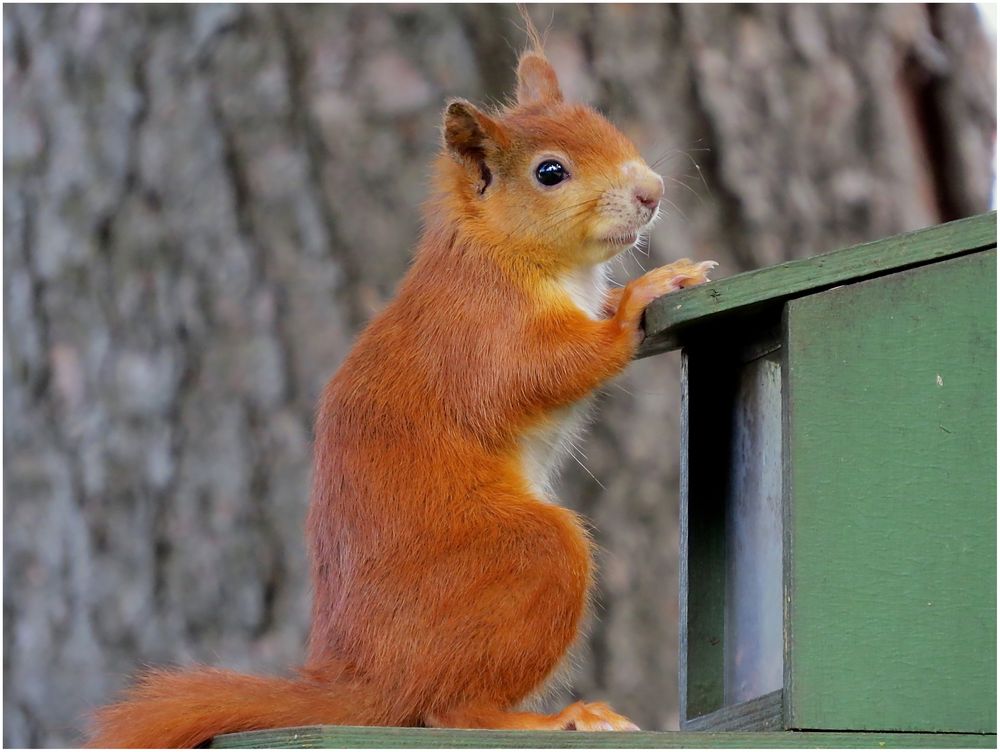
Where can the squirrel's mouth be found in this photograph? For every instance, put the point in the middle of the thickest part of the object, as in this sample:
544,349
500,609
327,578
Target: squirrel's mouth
623,238
628,233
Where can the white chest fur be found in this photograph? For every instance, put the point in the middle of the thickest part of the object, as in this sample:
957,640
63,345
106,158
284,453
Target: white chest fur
544,449
587,288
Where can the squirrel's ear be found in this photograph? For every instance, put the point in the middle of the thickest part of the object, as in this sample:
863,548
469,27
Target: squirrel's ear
536,80
472,136
468,132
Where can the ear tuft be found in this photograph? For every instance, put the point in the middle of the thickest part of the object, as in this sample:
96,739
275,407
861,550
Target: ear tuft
536,80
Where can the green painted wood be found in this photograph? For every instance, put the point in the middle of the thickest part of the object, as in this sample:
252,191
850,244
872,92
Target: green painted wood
667,319
763,713
891,507
319,737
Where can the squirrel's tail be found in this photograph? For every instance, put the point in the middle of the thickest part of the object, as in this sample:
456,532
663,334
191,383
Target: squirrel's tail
185,708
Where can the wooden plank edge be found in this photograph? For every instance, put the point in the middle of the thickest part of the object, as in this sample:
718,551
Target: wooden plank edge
345,737
666,317
683,530
759,714
789,684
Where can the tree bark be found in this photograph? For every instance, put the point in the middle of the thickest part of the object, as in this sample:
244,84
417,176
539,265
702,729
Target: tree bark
205,203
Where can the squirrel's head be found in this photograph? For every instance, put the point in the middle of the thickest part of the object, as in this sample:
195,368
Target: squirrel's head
546,177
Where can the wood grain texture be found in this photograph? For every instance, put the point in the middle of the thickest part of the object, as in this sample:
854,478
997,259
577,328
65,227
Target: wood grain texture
328,737
764,713
667,318
891,393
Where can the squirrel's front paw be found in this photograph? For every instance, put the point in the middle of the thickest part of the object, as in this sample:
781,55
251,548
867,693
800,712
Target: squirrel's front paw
642,291
669,278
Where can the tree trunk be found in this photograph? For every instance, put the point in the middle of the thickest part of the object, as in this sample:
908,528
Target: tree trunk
205,203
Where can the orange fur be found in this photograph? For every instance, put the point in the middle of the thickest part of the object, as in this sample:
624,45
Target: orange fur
446,587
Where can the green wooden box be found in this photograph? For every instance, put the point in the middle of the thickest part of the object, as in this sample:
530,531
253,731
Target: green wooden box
838,499
838,507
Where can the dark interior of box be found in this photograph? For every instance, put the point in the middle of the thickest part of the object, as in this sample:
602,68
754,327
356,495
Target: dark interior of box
731,527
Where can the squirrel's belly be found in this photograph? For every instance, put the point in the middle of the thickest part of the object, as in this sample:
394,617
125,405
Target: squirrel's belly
544,447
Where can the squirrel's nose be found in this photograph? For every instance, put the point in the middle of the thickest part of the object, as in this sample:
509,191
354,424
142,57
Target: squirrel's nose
649,190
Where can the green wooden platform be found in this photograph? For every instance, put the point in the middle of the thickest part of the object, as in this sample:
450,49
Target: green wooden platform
351,737
838,446
669,319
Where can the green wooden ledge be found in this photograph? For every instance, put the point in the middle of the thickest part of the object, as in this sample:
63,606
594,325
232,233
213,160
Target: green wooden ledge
351,737
667,318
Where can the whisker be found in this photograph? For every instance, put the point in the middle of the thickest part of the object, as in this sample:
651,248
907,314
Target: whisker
568,223
639,244
675,206
526,224
697,167
632,251
662,156
630,394
675,152
550,220
642,392
585,468
687,187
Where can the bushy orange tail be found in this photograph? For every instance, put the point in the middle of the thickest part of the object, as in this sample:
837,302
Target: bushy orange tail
169,708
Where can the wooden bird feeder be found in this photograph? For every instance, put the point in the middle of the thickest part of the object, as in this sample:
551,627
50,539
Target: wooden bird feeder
838,488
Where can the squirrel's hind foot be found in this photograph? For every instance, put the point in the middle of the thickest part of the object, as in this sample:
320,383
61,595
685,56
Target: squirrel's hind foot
594,716
580,716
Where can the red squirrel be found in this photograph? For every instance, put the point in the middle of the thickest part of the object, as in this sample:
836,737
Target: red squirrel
448,585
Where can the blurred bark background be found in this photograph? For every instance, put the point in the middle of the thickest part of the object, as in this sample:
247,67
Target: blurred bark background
204,203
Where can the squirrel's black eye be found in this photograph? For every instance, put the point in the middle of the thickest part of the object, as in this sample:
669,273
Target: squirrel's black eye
550,172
